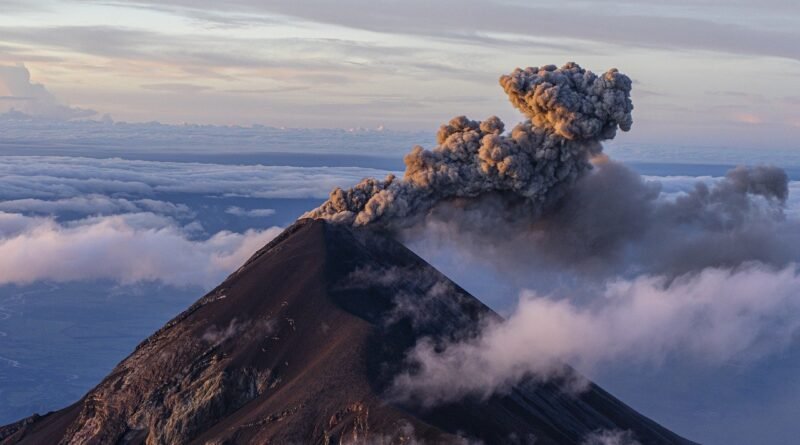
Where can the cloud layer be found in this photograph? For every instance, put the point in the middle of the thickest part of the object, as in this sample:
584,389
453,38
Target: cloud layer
53,178
123,248
128,221
93,204
645,27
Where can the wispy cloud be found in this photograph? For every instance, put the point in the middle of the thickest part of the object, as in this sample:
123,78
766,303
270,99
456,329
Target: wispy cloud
441,19
252,213
176,87
304,64
93,204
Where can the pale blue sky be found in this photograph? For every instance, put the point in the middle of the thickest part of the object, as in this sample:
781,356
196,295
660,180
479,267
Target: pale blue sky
706,72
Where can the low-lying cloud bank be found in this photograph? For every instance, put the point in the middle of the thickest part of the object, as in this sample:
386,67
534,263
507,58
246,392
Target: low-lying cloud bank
93,204
124,248
72,219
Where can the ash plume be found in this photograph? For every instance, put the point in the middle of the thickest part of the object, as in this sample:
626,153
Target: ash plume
569,112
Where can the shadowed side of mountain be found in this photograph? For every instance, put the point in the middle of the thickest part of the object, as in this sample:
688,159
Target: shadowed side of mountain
300,345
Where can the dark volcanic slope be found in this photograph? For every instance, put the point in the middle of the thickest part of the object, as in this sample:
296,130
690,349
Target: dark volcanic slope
298,345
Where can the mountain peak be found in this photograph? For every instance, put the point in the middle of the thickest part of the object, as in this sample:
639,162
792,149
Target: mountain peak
300,345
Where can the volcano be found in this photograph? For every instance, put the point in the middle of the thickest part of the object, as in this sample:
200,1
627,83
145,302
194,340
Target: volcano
301,345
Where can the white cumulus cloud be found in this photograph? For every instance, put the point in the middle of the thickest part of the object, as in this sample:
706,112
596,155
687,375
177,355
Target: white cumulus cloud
19,93
712,316
124,248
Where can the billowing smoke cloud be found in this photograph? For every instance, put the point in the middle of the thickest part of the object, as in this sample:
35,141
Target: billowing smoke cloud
569,110
711,317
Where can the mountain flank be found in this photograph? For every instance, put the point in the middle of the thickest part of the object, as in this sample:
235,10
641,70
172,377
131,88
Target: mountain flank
301,345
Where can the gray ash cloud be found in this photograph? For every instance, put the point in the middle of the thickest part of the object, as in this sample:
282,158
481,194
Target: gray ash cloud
569,112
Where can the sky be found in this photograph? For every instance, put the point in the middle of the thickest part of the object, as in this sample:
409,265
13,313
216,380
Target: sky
704,74
190,132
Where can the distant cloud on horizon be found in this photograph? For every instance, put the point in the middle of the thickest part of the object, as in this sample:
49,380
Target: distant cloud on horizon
61,178
252,213
18,92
